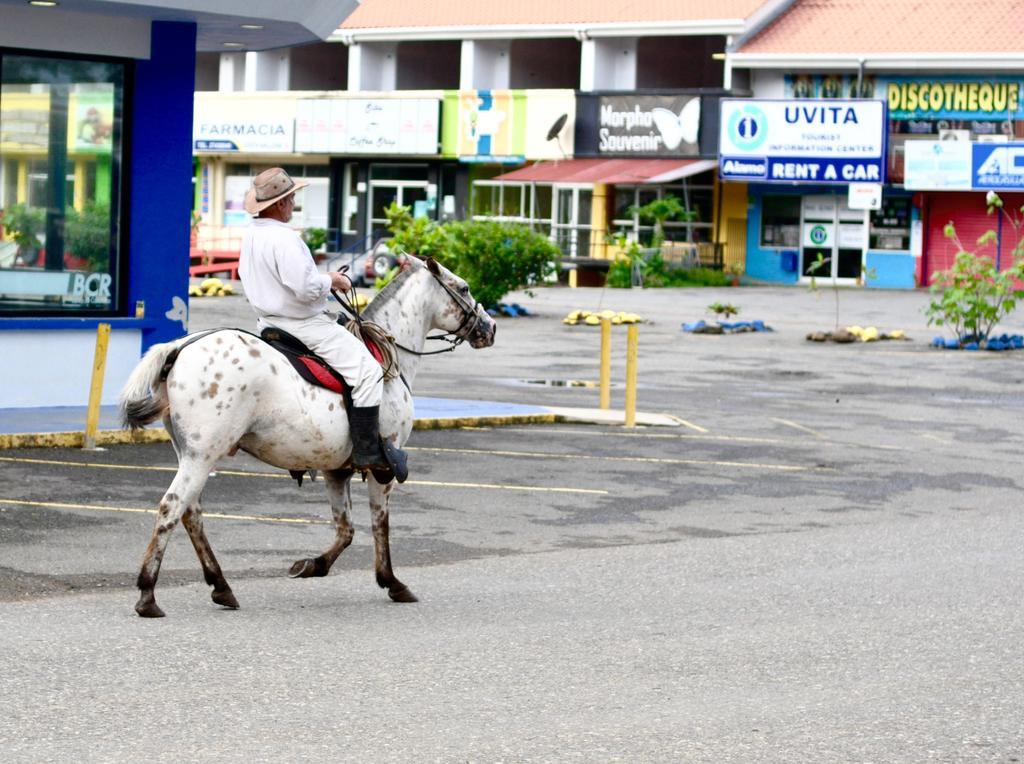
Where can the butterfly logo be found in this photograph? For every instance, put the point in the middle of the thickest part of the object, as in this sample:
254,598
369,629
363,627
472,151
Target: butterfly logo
178,312
678,128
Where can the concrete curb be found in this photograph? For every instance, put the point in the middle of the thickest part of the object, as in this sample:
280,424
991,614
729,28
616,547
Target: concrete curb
76,439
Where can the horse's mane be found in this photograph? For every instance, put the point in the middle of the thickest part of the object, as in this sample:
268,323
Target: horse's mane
387,293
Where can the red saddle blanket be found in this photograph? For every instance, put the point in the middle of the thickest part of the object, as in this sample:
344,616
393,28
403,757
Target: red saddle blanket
310,366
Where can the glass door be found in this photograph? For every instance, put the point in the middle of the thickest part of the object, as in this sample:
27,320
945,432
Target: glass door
384,192
570,221
832,239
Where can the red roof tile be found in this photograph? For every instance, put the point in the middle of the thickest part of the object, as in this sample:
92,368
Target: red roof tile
894,26
383,14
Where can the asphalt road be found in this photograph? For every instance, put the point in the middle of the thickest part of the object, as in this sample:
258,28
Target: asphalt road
821,564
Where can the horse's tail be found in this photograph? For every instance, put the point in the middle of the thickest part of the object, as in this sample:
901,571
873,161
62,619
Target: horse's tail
144,397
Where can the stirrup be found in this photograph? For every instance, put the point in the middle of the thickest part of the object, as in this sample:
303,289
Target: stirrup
398,464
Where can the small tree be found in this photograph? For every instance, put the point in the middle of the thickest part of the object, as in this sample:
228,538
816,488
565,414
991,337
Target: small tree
972,297
820,262
723,310
658,211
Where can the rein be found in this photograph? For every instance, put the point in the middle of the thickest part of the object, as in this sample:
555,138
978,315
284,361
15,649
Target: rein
454,338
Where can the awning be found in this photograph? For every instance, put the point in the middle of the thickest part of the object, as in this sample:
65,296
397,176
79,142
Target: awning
614,171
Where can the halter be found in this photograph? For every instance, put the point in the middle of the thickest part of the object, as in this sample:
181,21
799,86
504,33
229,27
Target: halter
468,315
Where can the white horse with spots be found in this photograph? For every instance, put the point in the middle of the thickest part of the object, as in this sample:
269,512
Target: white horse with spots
228,390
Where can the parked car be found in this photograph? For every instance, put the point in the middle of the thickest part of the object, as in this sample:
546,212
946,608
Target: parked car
364,268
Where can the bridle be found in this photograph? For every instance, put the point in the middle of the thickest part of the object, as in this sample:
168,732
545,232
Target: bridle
453,338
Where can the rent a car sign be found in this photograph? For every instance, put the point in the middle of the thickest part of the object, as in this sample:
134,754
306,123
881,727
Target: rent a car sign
802,141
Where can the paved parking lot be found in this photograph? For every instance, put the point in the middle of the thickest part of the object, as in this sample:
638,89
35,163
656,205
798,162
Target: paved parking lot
820,563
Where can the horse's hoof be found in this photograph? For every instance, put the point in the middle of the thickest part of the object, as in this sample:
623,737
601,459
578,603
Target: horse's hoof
147,608
226,599
402,595
303,569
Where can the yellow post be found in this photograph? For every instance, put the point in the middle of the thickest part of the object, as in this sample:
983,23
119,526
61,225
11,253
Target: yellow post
631,353
79,193
606,363
21,193
99,366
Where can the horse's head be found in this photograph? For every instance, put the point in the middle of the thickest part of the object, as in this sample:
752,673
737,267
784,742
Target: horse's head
460,313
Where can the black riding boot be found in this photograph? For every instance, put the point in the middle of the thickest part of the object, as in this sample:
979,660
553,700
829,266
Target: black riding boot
370,451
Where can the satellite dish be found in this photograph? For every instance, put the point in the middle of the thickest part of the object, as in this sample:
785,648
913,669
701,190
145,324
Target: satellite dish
556,128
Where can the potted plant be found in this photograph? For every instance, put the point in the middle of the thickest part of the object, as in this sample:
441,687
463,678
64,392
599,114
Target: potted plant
316,240
24,225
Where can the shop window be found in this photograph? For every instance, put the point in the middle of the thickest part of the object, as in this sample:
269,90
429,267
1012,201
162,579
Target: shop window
890,226
780,221
311,204
61,122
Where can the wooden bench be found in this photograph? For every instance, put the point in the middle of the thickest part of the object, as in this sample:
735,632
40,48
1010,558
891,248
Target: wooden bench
230,267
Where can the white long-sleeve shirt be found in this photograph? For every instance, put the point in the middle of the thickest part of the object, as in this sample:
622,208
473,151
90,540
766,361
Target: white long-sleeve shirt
278,273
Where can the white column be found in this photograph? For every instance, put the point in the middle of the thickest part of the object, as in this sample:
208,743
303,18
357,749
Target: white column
355,61
232,72
491,62
467,63
267,70
373,66
587,55
614,63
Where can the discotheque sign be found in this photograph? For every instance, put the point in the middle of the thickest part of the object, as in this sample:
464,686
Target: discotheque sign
802,141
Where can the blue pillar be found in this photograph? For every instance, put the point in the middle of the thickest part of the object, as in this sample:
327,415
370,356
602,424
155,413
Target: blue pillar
159,175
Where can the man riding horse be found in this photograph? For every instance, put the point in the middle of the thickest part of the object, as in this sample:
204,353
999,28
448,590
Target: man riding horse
287,292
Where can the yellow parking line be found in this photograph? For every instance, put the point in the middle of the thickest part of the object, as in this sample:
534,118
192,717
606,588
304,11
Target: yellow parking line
245,473
642,459
137,510
684,423
796,426
648,435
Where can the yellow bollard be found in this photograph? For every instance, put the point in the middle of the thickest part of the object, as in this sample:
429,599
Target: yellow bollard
606,363
631,354
99,366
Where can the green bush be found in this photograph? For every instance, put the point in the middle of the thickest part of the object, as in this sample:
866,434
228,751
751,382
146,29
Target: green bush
498,258
24,225
314,238
87,234
494,258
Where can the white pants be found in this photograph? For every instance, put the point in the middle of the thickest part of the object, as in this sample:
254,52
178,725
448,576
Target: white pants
336,345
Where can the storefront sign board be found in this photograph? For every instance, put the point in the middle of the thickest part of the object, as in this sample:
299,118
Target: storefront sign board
508,126
997,166
367,126
865,196
239,125
921,98
802,141
648,125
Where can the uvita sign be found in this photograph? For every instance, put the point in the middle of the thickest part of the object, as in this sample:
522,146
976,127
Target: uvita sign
802,141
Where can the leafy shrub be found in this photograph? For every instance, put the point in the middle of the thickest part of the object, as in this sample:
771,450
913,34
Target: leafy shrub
87,234
314,238
973,296
497,258
24,225
494,258
723,309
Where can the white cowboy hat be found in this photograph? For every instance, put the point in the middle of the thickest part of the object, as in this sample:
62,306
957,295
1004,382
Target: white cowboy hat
268,187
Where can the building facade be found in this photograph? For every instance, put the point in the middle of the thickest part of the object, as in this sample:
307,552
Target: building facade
96,104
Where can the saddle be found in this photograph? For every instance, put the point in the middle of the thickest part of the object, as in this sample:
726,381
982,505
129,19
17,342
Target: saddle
308,364
317,371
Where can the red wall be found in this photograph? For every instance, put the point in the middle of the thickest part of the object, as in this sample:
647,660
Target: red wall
968,213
